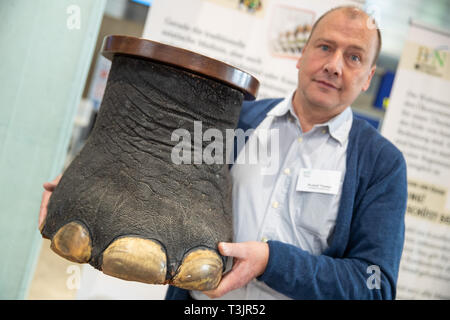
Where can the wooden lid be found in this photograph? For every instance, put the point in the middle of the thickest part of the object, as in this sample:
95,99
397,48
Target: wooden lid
188,60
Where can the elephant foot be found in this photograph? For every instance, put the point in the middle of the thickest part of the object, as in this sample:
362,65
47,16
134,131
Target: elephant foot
72,241
201,270
135,259
143,260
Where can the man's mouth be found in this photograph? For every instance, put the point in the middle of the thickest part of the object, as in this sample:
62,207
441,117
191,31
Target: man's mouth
327,84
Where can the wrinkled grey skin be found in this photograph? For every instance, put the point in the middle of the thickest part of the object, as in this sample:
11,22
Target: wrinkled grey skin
124,183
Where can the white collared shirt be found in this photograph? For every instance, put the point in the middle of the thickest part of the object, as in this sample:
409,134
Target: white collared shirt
271,206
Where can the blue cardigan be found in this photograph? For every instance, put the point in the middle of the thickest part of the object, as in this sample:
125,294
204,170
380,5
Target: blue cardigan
369,227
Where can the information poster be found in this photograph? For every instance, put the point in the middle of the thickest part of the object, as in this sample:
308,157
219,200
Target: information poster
417,121
261,37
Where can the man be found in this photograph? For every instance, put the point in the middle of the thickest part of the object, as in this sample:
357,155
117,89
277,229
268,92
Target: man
293,239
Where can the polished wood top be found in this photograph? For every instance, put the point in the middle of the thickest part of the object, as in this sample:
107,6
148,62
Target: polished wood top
181,58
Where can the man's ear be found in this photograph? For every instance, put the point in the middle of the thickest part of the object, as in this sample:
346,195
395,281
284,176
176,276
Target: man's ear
369,79
298,62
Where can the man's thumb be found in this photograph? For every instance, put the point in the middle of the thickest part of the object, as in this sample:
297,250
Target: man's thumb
230,249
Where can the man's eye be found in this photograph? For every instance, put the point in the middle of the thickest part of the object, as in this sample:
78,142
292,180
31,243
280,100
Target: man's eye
355,58
324,47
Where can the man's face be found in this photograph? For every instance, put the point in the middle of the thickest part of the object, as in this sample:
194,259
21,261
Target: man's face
336,64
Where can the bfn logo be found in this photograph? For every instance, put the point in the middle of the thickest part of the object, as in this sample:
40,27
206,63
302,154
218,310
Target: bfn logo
432,60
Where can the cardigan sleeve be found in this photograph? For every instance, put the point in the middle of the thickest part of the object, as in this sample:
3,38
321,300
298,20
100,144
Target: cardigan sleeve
368,269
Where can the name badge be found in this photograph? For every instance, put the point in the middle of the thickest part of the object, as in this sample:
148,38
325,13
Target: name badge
322,181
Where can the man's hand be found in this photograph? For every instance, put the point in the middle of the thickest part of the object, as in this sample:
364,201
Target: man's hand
49,188
250,261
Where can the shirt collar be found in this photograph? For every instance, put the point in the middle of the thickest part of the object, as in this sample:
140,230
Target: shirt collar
283,107
338,126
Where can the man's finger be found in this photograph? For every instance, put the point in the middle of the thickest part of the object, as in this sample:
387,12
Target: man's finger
230,281
43,209
229,249
50,186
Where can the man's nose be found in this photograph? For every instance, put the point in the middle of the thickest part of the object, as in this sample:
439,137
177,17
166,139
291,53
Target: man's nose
334,64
